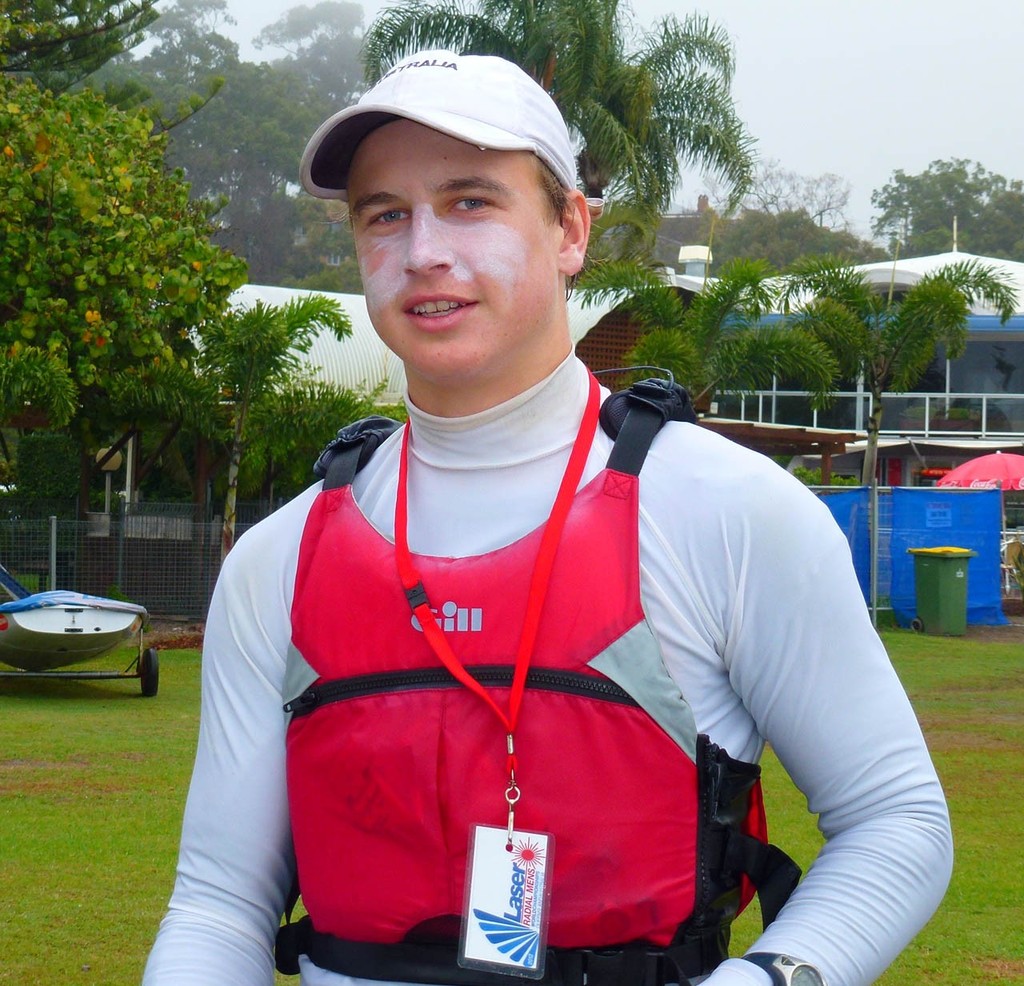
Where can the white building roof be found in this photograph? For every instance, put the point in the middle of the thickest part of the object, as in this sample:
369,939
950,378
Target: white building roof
907,272
361,361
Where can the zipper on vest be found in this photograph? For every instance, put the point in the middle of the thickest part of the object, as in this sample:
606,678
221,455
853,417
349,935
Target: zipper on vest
567,682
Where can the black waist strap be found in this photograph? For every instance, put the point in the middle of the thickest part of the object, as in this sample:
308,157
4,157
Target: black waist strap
436,963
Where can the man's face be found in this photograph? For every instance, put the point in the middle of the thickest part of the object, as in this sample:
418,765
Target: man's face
462,265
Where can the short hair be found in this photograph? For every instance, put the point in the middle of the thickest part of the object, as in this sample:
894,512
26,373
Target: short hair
554,192
558,203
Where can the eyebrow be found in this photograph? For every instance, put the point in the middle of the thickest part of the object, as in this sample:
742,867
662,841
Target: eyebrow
370,201
474,183
470,183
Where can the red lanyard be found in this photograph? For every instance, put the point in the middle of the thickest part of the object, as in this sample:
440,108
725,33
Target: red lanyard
414,590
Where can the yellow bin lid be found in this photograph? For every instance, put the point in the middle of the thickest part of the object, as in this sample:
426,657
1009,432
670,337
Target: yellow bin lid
945,550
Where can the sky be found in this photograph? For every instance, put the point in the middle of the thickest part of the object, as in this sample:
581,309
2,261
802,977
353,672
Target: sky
859,90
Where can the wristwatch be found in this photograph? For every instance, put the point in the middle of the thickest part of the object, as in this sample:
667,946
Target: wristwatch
786,971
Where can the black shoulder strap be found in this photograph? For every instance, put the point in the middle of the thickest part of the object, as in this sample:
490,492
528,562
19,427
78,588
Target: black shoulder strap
633,417
351,449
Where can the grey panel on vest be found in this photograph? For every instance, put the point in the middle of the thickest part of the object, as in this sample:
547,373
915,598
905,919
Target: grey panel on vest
298,676
635,664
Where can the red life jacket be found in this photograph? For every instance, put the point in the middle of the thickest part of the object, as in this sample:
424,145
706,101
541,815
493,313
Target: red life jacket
391,762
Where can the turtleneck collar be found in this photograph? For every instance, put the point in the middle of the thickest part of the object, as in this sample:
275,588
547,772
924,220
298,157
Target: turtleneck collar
538,422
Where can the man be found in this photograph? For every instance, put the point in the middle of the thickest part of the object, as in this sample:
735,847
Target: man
713,596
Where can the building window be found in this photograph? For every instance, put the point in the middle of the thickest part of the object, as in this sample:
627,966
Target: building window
988,368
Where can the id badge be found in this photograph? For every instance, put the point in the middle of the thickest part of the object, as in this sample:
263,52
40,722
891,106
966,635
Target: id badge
508,893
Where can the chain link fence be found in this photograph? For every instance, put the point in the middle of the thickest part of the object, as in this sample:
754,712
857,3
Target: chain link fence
161,555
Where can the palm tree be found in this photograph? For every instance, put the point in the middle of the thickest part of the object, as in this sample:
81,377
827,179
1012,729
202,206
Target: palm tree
36,382
250,354
637,107
889,341
719,341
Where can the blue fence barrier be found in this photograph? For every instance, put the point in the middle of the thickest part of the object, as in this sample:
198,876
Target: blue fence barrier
933,518
911,517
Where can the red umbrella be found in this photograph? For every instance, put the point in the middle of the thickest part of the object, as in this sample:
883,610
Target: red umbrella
998,471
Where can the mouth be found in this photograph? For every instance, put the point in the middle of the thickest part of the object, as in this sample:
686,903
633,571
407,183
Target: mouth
435,308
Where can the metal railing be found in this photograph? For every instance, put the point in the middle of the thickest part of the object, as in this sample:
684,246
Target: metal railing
927,415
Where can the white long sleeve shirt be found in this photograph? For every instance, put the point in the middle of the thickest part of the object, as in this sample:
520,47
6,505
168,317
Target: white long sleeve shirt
749,588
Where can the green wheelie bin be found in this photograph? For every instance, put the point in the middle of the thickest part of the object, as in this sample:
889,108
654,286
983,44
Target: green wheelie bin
940,583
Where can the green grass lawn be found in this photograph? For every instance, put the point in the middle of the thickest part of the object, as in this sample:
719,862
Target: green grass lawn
93,780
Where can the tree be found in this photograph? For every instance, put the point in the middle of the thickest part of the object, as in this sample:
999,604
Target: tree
289,429
56,43
637,107
917,212
782,238
250,354
190,47
182,71
33,379
322,44
720,341
322,256
240,152
106,265
889,341
776,190
239,145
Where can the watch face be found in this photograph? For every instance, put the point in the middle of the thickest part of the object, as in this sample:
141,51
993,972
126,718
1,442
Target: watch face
805,975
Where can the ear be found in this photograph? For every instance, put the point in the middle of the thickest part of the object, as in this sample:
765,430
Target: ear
575,234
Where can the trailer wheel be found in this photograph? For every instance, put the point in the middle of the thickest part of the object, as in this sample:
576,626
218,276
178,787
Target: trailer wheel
149,672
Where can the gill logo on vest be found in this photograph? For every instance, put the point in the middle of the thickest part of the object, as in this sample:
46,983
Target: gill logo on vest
454,618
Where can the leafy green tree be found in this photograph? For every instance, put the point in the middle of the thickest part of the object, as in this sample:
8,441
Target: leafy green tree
289,428
41,469
623,231
719,341
782,238
239,145
812,477
322,254
56,43
242,151
322,42
33,380
343,278
916,212
889,341
250,354
106,265
181,71
637,106
190,47
785,216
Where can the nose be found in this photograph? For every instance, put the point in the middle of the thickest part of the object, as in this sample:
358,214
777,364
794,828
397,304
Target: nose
430,247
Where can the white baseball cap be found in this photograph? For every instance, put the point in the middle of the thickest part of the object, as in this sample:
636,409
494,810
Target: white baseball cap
480,99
